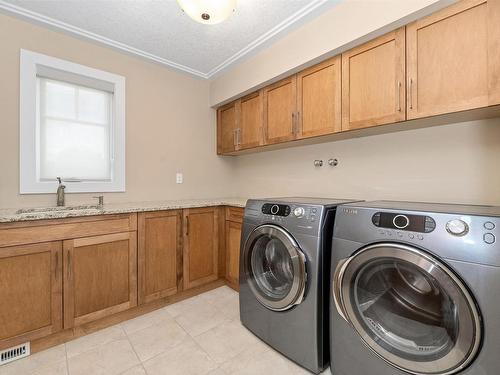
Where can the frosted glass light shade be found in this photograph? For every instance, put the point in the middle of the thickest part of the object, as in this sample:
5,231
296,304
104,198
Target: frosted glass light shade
208,12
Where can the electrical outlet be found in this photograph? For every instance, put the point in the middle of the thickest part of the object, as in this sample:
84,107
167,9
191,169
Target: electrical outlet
179,178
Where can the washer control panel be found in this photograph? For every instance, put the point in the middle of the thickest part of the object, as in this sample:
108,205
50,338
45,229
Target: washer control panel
406,222
276,209
457,227
298,214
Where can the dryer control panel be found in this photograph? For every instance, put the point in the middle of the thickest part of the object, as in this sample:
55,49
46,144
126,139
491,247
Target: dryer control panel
400,221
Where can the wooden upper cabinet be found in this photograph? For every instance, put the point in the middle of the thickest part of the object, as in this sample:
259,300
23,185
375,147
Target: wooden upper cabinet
30,293
201,243
494,52
280,107
226,128
319,99
447,56
250,111
373,82
159,254
100,277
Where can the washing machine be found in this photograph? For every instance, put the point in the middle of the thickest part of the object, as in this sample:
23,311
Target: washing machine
415,289
284,275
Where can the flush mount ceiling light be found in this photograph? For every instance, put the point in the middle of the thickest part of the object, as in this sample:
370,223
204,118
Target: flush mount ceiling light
208,12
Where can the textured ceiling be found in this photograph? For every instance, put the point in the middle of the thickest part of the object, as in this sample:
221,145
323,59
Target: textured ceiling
159,30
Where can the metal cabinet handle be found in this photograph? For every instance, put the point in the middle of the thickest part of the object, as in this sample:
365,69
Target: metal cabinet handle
399,96
292,130
187,225
238,137
57,265
235,141
297,120
68,265
411,93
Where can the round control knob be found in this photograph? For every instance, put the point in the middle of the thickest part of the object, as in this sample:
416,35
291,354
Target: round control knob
275,209
457,227
299,212
401,221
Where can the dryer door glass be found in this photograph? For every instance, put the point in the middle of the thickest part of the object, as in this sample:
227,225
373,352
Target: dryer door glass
275,267
410,308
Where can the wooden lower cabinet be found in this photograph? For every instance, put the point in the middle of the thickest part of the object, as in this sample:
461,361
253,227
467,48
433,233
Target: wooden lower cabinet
159,254
30,293
100,277
201,243
233,239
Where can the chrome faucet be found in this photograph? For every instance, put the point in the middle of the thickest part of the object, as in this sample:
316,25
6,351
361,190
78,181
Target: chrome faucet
60,193
101,201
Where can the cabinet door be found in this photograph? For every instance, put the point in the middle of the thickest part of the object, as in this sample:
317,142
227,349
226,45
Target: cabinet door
250,119
100,277
319,99
200,246
448,60
159,254
30,293
493,52
233,238
226,128
279,111
373,82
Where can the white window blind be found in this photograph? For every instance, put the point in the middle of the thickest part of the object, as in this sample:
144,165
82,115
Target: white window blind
71,125
74,135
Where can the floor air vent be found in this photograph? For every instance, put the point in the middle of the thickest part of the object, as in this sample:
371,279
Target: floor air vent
16,352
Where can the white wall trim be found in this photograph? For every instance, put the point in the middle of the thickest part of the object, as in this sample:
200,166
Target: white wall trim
28,180
261,41
34,16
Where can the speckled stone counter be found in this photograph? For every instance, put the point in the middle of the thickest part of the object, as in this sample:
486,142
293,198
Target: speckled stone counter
13,215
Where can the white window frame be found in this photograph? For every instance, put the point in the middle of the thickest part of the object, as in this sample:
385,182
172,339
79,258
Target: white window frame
29,182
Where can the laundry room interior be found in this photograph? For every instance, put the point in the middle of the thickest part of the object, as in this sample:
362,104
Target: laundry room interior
249,187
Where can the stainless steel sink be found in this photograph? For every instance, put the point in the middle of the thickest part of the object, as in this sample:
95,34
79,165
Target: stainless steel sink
42,210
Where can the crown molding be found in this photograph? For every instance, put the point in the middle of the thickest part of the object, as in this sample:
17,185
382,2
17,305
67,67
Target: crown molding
264,38
24,13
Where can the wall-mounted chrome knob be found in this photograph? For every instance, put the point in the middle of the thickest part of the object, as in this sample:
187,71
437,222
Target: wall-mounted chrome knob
318,163
333,162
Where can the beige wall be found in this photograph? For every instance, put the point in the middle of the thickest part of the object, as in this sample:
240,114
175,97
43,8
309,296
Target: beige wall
455,163
346,24
170,126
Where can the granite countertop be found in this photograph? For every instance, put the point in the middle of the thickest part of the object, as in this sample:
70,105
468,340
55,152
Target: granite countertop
13,215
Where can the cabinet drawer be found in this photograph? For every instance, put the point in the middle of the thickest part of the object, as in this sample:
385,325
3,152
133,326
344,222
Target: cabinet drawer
21,233
235,214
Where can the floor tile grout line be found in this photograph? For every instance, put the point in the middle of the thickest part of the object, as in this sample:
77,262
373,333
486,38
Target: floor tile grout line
67,360
133,349
174,346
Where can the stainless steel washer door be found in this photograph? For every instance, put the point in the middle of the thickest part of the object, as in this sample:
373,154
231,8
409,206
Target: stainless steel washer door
275,267
409,308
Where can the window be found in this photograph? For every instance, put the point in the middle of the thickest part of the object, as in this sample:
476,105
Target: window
72,126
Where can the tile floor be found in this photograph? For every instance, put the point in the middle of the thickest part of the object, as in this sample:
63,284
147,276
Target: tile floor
198,336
